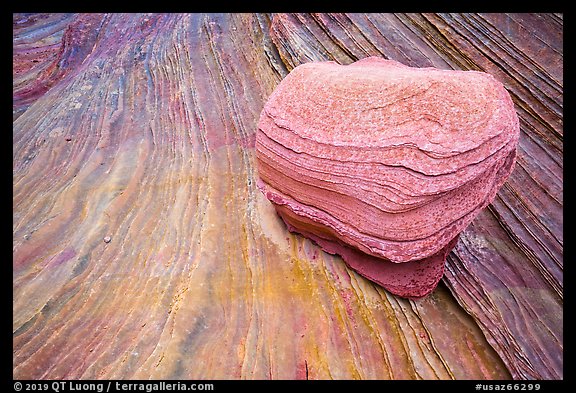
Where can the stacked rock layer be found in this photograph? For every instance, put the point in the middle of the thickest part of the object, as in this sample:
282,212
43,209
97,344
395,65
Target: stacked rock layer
385,164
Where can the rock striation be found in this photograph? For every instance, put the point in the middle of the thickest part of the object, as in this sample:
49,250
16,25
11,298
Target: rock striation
385,164
141,128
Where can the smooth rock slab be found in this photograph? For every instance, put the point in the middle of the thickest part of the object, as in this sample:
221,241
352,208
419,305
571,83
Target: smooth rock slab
385,164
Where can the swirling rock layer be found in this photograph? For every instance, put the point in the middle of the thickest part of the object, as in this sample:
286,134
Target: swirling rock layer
147,141
386,159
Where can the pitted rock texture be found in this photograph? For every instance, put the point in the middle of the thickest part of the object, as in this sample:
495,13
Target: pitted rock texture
389,160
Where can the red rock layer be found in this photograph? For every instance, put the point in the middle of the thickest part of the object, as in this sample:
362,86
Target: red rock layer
412,280
390,160
46,53
523,226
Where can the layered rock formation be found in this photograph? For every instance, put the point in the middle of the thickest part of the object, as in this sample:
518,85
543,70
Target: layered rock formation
385,164
140,128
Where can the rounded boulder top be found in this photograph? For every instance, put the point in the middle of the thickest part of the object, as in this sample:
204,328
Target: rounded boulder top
386,160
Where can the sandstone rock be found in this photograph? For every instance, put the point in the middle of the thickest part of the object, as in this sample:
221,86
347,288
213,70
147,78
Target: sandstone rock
385,164
162,111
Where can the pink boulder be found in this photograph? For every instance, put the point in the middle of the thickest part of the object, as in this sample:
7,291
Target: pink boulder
385,164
